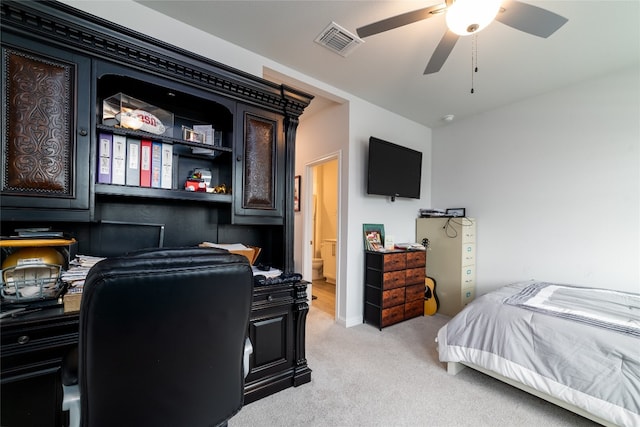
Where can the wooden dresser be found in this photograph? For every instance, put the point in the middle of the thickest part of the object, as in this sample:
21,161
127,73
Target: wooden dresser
393,286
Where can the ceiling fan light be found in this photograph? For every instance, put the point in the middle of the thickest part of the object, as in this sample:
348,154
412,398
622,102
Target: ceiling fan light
465,17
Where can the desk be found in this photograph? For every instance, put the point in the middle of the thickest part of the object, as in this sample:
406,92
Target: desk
34,344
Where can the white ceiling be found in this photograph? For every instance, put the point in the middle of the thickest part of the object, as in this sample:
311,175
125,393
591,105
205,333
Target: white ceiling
600,37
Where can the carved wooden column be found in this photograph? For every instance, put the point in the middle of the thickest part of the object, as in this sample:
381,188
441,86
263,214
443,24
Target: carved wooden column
302,373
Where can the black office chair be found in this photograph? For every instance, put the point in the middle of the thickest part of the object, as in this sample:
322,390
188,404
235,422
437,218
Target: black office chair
163,340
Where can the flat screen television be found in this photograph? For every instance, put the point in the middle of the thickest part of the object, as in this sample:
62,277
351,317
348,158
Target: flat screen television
394,170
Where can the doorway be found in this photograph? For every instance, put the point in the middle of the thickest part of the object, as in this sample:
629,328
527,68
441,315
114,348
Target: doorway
322,229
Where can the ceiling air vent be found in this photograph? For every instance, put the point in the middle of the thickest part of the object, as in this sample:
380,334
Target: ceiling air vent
338,40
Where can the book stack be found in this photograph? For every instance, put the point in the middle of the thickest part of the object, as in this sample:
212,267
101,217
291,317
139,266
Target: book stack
373,241
125,160
74,277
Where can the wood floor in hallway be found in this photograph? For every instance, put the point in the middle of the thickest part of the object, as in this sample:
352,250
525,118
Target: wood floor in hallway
326,296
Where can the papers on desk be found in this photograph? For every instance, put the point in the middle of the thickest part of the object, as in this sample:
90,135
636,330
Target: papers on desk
251,252
228,246
77,272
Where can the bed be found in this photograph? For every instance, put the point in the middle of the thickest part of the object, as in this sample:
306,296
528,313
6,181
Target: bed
576,347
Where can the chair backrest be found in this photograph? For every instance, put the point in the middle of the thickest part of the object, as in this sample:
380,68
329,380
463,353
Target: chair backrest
162,337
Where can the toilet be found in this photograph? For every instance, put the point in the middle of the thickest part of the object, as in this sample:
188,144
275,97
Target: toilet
316,267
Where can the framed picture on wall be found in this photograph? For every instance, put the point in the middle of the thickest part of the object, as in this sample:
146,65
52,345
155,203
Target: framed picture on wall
296,194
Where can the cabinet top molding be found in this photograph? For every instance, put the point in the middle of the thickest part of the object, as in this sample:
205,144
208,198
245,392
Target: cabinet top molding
65,26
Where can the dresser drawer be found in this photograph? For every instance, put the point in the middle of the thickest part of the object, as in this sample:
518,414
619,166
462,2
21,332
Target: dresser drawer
393,279
414,308
414,276
394,262
415,292
392,315
416,259
393,297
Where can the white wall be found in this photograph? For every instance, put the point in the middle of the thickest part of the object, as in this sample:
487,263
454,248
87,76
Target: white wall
554,183
398,217
346,128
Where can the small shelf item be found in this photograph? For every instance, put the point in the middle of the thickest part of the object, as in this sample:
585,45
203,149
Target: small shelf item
32,266
128,112
373,237
455,212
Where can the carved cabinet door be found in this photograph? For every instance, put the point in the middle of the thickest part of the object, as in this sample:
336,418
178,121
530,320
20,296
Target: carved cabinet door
259,167
45,132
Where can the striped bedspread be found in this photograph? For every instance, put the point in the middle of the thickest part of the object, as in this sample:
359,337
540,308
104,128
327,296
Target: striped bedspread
613,310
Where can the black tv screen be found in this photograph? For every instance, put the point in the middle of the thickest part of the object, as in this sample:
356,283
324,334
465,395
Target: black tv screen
393,170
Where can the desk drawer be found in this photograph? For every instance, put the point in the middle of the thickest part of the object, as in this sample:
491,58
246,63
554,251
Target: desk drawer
31,345
271,295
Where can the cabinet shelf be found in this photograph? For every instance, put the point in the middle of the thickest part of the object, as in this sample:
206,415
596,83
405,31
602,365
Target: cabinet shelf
159,193
162,138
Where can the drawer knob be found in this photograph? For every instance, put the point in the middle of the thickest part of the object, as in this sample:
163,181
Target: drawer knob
23,339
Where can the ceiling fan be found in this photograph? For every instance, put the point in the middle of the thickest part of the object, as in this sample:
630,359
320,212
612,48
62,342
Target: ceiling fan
466,17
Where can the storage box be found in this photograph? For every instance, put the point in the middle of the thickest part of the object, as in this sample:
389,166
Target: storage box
71,302
128,112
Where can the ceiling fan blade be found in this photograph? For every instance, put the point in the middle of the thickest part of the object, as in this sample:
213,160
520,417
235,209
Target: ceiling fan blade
442,52
399,20
530,19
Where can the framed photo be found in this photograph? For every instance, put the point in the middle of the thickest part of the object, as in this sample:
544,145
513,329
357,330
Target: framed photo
296,194
373,237
455,212
191,135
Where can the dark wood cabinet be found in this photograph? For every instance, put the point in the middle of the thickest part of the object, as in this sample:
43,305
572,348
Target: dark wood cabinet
58,66
34,345
45,136
277,332
31,354
259,169
189,106
394,286
254,159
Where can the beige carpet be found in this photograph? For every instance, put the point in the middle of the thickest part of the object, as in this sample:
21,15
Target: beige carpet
366,377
